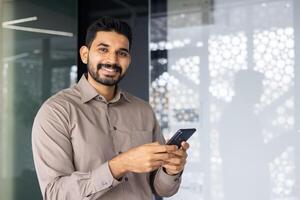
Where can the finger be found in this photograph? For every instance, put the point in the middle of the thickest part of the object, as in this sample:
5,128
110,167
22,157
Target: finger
150,167
176,161
180,153
185,146
156,164
176,168
162,156
171,148
164,148
153,144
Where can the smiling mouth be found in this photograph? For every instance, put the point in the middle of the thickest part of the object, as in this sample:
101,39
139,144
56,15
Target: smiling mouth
109,72
111,69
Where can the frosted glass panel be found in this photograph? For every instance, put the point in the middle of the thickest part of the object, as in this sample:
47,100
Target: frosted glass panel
228,69
37,58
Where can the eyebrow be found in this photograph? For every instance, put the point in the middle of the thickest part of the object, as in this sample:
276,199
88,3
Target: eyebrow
106,45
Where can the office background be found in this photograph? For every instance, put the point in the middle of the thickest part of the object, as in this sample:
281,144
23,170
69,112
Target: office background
225,67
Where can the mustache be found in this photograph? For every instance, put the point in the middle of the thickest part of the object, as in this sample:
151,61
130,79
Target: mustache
115,67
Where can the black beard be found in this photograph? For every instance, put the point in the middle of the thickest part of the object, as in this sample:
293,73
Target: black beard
106,81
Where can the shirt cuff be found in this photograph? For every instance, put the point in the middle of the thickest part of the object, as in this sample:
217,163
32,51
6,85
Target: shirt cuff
166,179
102,178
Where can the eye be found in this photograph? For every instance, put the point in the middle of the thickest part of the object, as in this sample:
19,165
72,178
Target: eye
103,50
123,53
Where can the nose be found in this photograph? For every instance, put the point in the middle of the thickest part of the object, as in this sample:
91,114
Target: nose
112,58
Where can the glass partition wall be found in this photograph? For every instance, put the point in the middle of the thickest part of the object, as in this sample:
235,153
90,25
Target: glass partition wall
227,68
38,57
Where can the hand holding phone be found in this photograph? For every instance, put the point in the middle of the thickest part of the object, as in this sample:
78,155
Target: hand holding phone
180,136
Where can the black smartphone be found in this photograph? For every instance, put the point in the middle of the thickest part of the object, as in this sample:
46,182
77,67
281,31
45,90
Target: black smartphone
180,136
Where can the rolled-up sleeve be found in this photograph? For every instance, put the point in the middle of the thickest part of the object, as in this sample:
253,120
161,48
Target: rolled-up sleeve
53,159
166,185
163,184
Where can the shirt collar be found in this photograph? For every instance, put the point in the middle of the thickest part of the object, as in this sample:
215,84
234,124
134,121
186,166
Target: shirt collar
119,95
88,92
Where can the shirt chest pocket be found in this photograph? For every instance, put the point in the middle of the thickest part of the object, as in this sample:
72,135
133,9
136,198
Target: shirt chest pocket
126,139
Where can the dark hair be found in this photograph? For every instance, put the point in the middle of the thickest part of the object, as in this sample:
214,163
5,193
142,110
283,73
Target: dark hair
107,24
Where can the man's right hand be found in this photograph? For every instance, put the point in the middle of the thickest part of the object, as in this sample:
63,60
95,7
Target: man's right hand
141,159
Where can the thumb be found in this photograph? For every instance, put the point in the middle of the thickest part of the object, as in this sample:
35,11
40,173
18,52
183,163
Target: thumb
155,143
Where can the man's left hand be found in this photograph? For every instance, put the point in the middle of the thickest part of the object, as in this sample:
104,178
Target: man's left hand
176,164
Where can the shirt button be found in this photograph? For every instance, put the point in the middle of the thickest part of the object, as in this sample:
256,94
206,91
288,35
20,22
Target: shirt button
115,128
120,152
104,183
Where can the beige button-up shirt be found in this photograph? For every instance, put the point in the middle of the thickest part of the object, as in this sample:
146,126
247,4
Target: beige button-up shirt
76,132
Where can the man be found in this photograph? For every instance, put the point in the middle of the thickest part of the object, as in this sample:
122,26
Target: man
95,141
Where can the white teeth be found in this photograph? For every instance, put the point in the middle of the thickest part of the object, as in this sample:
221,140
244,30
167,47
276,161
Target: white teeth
109,70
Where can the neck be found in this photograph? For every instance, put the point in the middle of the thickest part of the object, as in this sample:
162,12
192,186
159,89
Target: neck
108,92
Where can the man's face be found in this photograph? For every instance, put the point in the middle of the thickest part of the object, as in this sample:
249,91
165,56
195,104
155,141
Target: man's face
108,57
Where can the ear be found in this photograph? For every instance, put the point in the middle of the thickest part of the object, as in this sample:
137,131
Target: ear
84,53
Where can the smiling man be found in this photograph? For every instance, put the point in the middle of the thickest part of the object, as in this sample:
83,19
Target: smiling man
96,141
